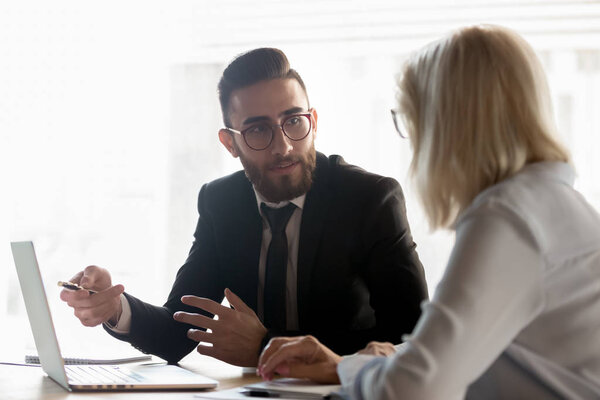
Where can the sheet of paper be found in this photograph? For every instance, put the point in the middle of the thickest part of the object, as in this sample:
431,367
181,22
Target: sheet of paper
230,394
290,385
285,389
235,394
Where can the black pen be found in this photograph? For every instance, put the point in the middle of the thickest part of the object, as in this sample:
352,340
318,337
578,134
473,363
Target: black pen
74,286
259,393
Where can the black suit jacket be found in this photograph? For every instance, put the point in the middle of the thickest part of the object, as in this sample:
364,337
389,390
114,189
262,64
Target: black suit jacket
359,276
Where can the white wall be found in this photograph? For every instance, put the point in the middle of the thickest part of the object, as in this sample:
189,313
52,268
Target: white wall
108,116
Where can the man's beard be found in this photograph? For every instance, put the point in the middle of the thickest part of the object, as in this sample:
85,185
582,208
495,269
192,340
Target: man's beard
282,188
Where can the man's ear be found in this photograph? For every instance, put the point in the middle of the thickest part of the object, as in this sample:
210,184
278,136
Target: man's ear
226,139
315,117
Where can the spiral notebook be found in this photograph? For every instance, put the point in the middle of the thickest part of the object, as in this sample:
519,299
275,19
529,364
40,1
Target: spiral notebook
34,359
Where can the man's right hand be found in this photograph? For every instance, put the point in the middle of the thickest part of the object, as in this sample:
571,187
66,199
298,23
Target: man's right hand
94,309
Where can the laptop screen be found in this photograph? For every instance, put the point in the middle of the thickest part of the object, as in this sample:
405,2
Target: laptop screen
38,311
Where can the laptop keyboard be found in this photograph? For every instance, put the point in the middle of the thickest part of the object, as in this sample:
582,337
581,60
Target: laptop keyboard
101,374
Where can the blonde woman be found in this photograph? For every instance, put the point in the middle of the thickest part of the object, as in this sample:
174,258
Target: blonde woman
517,312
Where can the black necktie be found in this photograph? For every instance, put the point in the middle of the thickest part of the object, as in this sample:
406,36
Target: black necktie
276,266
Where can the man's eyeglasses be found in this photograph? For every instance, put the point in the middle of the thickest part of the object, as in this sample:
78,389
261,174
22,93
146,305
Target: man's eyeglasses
399,124
259,136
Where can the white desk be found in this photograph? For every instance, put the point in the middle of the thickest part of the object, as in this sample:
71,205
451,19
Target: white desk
31,383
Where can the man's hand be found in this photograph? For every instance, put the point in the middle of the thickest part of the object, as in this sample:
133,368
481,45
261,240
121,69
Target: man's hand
299,357
379,349
94,309
235,336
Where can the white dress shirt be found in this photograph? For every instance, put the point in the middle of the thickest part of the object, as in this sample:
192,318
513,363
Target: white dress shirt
517,312
292,232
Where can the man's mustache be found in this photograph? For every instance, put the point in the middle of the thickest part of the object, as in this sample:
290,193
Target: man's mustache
286,160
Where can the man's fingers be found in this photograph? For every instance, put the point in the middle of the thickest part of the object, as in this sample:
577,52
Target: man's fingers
79,298
77,277
83,298
92,316
195,319
68,296
208,351
112,291
198,335
94,277
206,304
104,296
237,303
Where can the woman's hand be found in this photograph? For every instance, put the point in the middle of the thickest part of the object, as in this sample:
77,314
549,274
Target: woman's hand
299,357
379,349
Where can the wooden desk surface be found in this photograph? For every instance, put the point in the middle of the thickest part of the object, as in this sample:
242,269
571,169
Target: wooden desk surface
31,383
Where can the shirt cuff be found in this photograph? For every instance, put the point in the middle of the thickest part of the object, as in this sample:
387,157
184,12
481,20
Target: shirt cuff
349,368
123,324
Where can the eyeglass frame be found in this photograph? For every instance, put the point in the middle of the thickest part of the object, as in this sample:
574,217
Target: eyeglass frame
307,114
396,117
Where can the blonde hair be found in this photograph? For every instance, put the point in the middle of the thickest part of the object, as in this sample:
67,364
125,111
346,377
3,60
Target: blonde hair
477,109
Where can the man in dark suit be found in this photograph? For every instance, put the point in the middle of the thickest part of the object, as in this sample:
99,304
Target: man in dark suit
298,243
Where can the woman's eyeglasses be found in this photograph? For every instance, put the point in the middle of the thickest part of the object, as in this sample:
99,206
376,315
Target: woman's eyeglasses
398,124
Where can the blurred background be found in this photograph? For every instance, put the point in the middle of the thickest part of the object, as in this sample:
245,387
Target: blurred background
109,118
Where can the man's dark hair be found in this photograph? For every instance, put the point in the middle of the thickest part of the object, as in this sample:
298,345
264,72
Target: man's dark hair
250,68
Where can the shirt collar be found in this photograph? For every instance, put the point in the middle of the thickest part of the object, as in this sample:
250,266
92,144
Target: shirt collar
562,172
298,201
559,171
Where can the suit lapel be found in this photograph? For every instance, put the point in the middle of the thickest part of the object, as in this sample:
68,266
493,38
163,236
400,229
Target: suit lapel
316,207
246,240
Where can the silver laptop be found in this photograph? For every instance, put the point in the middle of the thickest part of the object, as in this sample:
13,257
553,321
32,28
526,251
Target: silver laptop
88,377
